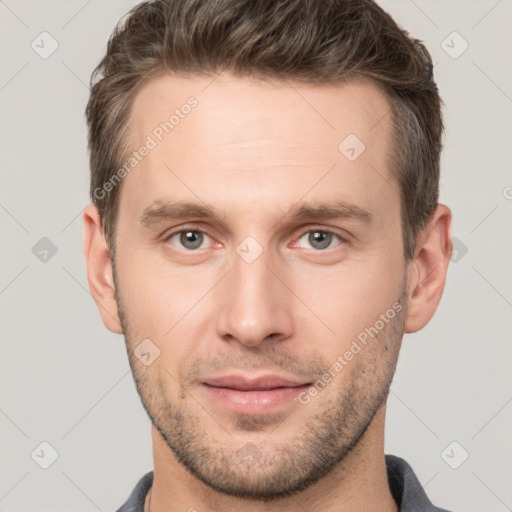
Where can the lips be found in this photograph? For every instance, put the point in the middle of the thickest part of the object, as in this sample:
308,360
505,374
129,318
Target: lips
264,383
261,395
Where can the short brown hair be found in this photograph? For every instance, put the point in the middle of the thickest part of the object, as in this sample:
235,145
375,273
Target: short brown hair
328,41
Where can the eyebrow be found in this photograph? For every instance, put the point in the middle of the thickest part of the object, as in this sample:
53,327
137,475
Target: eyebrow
160,211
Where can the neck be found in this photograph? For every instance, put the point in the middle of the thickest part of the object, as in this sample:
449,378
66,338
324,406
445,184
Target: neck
358,482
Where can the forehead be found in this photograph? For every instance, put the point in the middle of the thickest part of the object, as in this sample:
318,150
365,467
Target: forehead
227,135
230,108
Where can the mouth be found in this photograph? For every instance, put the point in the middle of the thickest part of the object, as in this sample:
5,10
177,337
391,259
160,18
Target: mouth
260,395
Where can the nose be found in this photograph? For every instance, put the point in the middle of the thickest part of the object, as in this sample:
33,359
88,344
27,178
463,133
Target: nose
255,304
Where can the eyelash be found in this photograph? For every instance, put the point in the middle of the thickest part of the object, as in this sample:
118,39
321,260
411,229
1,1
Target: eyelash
310,230
325,231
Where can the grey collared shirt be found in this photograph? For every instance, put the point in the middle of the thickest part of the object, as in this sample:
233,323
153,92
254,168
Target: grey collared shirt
403,483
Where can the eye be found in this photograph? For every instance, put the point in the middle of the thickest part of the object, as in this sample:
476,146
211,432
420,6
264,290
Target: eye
193,239
190,239
320,239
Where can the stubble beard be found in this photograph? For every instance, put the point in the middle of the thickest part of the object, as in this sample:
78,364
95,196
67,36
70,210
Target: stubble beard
274,468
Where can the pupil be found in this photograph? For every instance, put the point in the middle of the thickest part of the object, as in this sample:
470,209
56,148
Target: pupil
322,240
191,239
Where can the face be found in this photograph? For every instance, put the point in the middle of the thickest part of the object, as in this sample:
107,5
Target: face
259,250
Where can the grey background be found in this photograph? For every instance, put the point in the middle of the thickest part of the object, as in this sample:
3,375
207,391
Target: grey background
65,379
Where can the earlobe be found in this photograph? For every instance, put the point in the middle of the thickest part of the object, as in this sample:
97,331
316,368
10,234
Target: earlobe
427,271
99,269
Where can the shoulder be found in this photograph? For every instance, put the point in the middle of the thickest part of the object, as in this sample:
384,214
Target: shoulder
406,488
135,502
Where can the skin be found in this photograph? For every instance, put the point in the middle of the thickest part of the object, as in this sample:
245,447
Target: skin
252,150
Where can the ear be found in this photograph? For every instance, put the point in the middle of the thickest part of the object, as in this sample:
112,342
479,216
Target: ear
99,269
427,271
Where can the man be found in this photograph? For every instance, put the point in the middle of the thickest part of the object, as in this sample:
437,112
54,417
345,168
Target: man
265,227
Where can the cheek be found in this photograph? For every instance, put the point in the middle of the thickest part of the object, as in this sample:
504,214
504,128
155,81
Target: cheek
163,305
150,291
349,299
